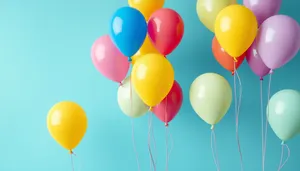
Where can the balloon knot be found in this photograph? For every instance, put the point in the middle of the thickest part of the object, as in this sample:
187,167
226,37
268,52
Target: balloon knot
120,83
166,124
282,143
261,78
71,152
150,108
234,59
232,73
271,71
129,59
212,127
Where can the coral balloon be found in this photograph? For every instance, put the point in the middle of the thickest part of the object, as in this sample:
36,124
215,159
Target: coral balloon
108,60
225,60
170,106
235,29
263,9
255,62
67,124
278,40
208,10
165,29
146,7
152,77
146,48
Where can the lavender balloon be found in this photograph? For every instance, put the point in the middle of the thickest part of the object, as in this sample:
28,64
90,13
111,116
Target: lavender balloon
255,62
263,9
278,40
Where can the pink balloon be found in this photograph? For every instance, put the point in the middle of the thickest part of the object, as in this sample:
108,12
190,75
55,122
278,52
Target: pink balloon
108,60
170,106
165,29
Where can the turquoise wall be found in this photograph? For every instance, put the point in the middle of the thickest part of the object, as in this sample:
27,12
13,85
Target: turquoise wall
45,58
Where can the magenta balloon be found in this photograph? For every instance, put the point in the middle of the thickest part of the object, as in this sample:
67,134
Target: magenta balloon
263,9
278,40
255,62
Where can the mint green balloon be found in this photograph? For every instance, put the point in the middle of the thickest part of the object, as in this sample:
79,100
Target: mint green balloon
284,114
129,102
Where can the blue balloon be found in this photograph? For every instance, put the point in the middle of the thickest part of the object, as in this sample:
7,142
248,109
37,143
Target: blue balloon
128,30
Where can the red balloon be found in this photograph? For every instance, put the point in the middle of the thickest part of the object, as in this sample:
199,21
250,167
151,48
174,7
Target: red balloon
170,106
165,29
225,60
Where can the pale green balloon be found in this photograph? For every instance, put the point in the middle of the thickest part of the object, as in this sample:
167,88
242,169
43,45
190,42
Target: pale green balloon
129,101
210,97
284,113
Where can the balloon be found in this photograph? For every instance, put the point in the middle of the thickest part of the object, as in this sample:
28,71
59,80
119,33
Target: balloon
263,9
210,97
278,40
152,77
129,102
208,10
225,60
255,62
235,29
146,48
128,30
170,106
165,29
284,113
146,7
108,60
67,124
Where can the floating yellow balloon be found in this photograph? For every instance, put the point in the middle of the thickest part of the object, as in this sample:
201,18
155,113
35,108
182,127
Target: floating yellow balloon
208,10
235,29
146,48
146,7
152,77
67,124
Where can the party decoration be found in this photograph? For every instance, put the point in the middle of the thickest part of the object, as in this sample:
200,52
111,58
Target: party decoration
165,29
128,30
255,62
284,113
225,60
108,60
146,48
208,10
146,7
170,106
235,29
152,76
210,97
67,124
263,9
129,102
278,40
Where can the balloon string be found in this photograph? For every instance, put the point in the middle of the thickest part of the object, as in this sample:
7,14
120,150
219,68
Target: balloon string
167,149
213,145
152,163
132,131
262,120
266,122
237,111
72,161
282,154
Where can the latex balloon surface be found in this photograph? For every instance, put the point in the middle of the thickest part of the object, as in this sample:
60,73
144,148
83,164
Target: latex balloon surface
129,101
67,124
146,7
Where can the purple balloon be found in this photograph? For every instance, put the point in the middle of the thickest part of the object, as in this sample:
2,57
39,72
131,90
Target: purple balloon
263,9
278,40
255,62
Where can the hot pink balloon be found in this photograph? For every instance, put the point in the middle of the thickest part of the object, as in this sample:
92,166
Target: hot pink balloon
165,29
170,106
108,60
255,62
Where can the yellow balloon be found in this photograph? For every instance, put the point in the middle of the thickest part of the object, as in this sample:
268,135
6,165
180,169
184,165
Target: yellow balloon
146,48
146,7
152,77
208,10
236,29
67,124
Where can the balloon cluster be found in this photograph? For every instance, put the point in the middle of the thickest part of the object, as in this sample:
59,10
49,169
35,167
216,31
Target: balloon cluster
266,39
142,34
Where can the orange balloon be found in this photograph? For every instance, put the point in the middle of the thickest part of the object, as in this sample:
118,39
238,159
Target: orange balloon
225,60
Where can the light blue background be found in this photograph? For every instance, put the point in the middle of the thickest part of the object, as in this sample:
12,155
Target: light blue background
45,58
